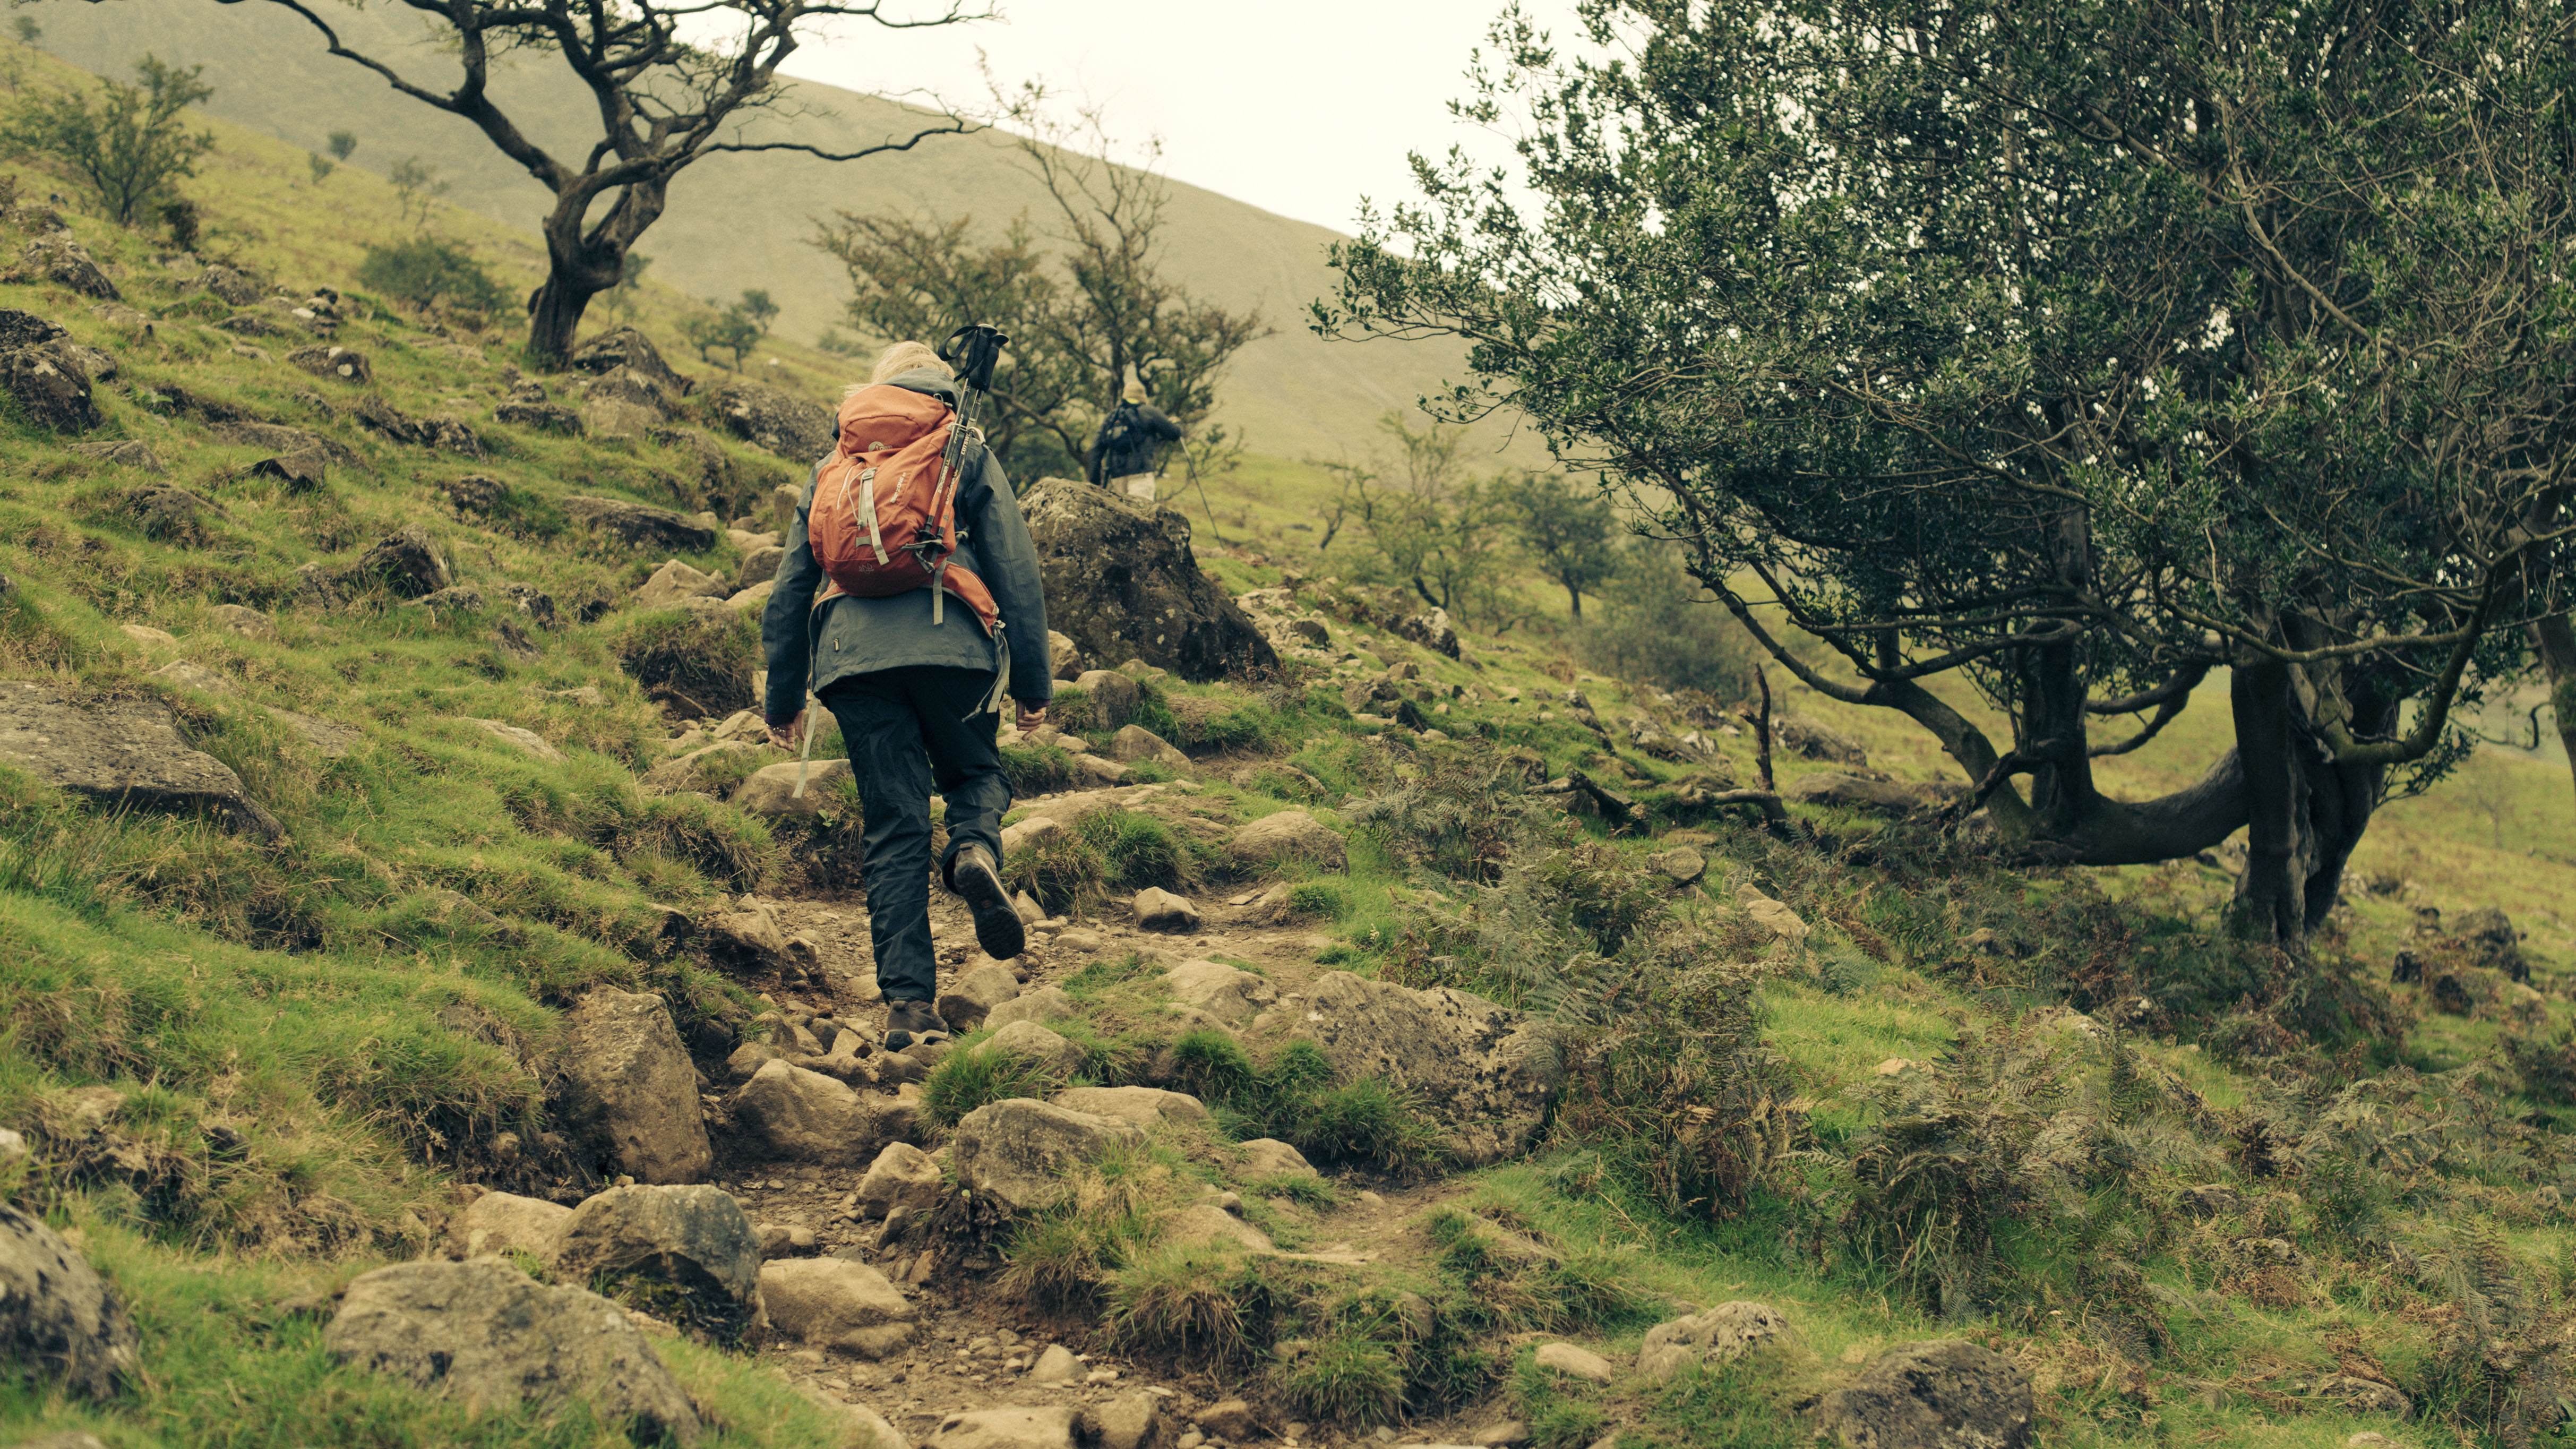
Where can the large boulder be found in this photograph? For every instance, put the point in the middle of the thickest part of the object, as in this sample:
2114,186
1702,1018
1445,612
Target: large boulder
1287,835
675,581
1719,1336
777,422
59,1324
835,1303
642,525
635,1090
806,1116
1946,1394
1041,1006
121,752
1484,1073
1122,583
696,1243
487,1334
1017,1151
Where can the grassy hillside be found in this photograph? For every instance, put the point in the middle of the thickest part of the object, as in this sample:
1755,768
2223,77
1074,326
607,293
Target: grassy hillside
2199,1194
743,221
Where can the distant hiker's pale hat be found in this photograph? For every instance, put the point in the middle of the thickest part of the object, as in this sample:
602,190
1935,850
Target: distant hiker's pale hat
1135,392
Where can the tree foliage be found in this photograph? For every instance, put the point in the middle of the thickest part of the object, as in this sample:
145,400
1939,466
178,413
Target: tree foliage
2076,351
1085,301
431,274
1570,530
130,147
665,101
1430,524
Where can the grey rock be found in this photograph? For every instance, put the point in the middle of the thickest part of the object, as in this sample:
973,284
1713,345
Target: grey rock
835,1303
806,1116
1063,656
1811,740
1484,1073
1945,1394
1161,910
636,1093
51,386
697,1240
973,995
121,752
1017,1151
247,622
774,421
1260,1157
641,525
1229,1419
499,1222
1049,1428
486,1333
1719,1336
1135,742
124,453
1121,582
70,264
1028,1039
543,417
406,562
1855,792
771,790
1575,1361
301,472
759,566
629,350
1287,835
340,363
1131,1421
526,741
60,1325
1228,993
237,287
26,329
675,581
1114,697
903,1176
1144,1106
1041,1006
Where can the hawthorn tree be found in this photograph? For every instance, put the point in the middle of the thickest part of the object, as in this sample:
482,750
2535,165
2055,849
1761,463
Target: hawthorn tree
664,104
2063,351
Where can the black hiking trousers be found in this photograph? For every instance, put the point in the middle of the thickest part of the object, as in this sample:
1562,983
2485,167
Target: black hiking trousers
909,730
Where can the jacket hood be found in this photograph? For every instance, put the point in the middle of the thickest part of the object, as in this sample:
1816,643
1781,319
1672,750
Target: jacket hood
926,380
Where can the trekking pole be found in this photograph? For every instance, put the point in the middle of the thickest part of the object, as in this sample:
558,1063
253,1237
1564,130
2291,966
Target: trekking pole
971,352
805,757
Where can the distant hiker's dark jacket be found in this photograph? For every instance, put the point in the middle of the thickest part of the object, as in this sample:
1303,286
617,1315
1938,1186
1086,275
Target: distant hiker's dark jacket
1135,452
860,636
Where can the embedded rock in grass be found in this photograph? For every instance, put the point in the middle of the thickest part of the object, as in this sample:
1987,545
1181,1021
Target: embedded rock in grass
1262,1157
1208,1224
1160,910
1013,1429
1945,1394
635,1093
1680,865
1063,656
525,741
2365,1396
1719,1336
1135,742
1855,792
121,752
406,562
51,386
1222,991
188,674
903,1176
771,791
124,453
835,1303
1287,835
675,581
69,263
1028,1039
59,1325
1056,1366
2210,1200
1483,1073
693,1243
1782,922
610,417
1121,582
1808,739
544,417
698,770
1113,697
301,472
806,1116
339,362
1575,1362
627,348
759,566
247,622
1017,1151
2490,938
1229,1419
642,526
237,287
1041,1006
487,1334
1143,1106
973,995
500,1222
795,428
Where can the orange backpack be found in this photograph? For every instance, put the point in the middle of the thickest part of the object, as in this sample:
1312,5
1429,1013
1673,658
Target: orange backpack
884,517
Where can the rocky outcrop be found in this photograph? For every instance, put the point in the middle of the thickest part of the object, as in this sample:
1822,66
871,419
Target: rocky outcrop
777,422
694,1242
675,581
122,752
68,263
1484,1073
50,385
1811,740
487,1334
835,1303
642,525
1017,1151
1946,1394
60,1326
341,363
1719,1336
1122,583
635,1094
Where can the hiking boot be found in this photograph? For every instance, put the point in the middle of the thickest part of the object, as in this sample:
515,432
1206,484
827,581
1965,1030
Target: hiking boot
997,922
911,1021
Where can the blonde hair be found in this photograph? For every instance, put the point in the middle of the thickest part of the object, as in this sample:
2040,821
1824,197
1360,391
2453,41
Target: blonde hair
906,357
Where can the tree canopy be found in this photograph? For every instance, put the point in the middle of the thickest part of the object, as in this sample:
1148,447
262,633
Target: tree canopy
2068,350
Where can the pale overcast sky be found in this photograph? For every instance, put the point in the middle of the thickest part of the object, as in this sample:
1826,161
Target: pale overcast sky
1299,108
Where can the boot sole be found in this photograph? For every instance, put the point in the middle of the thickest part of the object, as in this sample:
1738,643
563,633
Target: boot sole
998,928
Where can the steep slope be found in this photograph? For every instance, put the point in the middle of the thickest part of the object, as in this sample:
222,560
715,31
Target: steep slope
742,221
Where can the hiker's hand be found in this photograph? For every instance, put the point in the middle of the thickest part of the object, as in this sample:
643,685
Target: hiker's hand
1031,715
785,735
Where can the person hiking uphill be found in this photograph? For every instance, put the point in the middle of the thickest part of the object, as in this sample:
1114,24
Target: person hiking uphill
1122,454
915,678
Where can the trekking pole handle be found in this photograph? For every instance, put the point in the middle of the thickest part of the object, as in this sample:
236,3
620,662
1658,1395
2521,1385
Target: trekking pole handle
972,351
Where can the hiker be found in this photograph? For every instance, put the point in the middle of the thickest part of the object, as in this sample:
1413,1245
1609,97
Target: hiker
915,678
1122,455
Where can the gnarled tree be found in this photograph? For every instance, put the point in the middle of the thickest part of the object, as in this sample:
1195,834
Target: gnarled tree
665,103
2069,351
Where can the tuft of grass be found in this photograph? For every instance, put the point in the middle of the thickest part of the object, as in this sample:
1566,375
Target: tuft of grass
1328,899
1344,1377
979,1075
697,663
1202,1304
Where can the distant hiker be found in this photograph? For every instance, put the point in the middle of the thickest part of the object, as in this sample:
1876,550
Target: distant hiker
1122,456
915,678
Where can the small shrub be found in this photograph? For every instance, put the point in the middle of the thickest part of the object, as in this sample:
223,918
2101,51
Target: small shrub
977,1076
131,149
429,273
1366,1121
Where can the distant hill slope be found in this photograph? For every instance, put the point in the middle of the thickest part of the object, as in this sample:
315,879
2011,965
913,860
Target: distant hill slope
742,221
